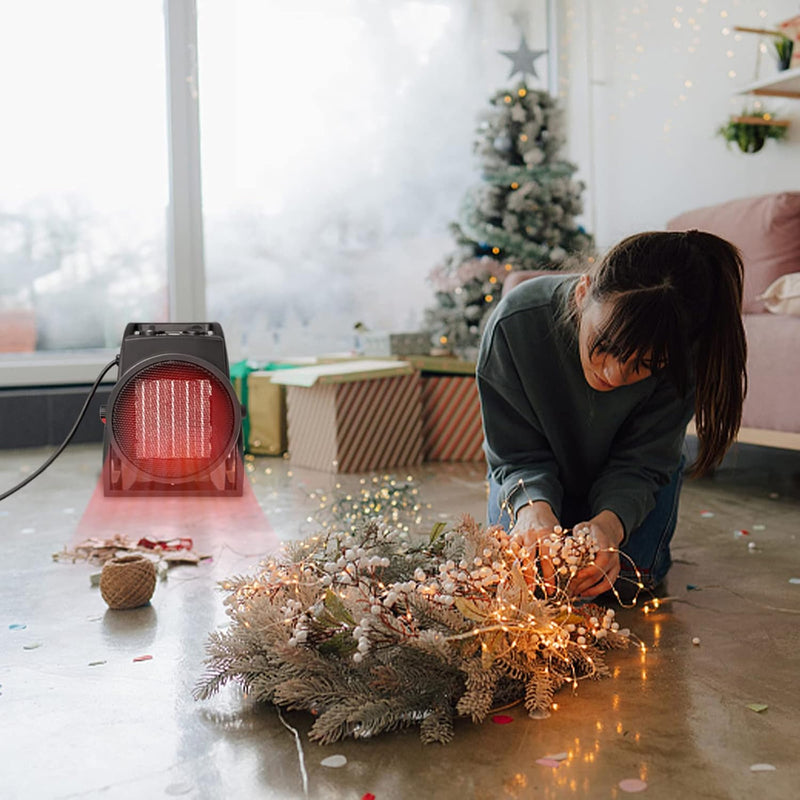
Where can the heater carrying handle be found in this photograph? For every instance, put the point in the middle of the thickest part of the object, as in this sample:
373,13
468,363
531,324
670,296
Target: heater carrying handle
57,453
173,329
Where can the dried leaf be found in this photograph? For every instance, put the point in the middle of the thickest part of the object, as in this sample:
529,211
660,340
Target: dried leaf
337,608
476,610
437,531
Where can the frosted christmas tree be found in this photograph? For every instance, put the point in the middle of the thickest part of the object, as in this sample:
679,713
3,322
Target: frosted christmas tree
521,216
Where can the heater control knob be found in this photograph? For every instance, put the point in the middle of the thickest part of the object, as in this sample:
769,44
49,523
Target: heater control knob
103,414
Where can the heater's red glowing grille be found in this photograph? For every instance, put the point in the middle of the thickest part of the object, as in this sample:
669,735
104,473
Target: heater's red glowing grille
173,420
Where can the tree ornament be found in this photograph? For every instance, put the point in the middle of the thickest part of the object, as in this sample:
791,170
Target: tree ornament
523,59
518,113
503,143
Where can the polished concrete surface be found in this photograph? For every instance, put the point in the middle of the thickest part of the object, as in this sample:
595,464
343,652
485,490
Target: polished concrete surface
80,718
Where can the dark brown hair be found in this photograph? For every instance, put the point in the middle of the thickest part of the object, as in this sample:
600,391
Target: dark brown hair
677,300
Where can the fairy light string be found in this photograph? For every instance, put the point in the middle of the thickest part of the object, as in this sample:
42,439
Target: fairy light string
376,597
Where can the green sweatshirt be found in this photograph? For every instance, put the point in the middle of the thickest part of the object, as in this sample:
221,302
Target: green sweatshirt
549,435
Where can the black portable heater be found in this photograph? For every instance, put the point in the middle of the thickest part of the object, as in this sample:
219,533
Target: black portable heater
173,423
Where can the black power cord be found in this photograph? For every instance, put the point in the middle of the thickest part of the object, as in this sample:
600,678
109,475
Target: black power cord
66,441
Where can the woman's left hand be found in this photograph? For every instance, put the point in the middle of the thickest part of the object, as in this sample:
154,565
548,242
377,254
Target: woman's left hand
600,576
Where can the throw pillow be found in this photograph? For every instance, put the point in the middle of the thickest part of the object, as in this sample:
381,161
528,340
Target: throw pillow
783,295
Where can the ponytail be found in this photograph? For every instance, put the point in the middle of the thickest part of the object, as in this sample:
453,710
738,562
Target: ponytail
721,354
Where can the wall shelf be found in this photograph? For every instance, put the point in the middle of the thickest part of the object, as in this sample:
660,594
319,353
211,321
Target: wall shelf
782,84
778,123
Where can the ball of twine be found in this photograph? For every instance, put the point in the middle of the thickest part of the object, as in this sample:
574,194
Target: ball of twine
128,581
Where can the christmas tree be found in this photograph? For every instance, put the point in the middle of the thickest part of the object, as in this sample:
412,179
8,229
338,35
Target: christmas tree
521,216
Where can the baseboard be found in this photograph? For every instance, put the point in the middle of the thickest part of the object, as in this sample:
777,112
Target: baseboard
42,416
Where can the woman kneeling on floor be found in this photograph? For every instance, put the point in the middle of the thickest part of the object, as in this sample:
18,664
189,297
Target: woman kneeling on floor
587,383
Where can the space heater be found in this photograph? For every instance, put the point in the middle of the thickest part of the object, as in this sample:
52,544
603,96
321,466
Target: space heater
173,423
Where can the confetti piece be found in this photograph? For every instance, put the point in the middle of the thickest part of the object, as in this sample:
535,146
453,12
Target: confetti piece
632,785
69,510
143,658
794,580
334,761
548,762
773,495
32,646
762,768
758,707
696,640
759,527
28,530
558,756
502,719
97,663
751,545
690,587
706,514
17,626
741,532
368,796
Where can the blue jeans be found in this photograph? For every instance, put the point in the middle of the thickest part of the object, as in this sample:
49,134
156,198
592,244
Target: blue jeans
647,546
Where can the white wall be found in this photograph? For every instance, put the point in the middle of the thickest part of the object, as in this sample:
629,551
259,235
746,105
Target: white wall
646,85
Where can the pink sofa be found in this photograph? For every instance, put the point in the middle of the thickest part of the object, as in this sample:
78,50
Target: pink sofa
767,231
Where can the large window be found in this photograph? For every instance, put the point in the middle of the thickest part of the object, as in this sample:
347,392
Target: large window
336,145
83,162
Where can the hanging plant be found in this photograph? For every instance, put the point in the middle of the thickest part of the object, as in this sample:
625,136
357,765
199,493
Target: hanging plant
751,130
784,47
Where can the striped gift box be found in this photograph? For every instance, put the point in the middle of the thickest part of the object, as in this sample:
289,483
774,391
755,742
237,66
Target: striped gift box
355,417
451,418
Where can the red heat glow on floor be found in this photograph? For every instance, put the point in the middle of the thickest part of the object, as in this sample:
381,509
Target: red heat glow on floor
206,520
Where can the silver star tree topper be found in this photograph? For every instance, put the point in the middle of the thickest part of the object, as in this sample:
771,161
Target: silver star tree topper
522,59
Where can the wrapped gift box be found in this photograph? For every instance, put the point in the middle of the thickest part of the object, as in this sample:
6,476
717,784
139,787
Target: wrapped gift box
451,410
266,414
353,416
381,344
264,423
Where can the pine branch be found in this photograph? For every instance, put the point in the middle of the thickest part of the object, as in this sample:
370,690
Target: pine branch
361,719
480,685
437,727
539,690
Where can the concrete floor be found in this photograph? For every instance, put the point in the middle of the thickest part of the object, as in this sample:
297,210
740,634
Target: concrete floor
679,719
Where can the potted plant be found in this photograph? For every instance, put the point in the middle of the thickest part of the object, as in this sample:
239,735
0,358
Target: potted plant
783,46
751,130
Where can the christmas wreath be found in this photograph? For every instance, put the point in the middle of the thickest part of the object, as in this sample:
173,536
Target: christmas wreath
370,629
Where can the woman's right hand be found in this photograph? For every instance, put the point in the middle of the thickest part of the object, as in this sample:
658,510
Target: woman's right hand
536,522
